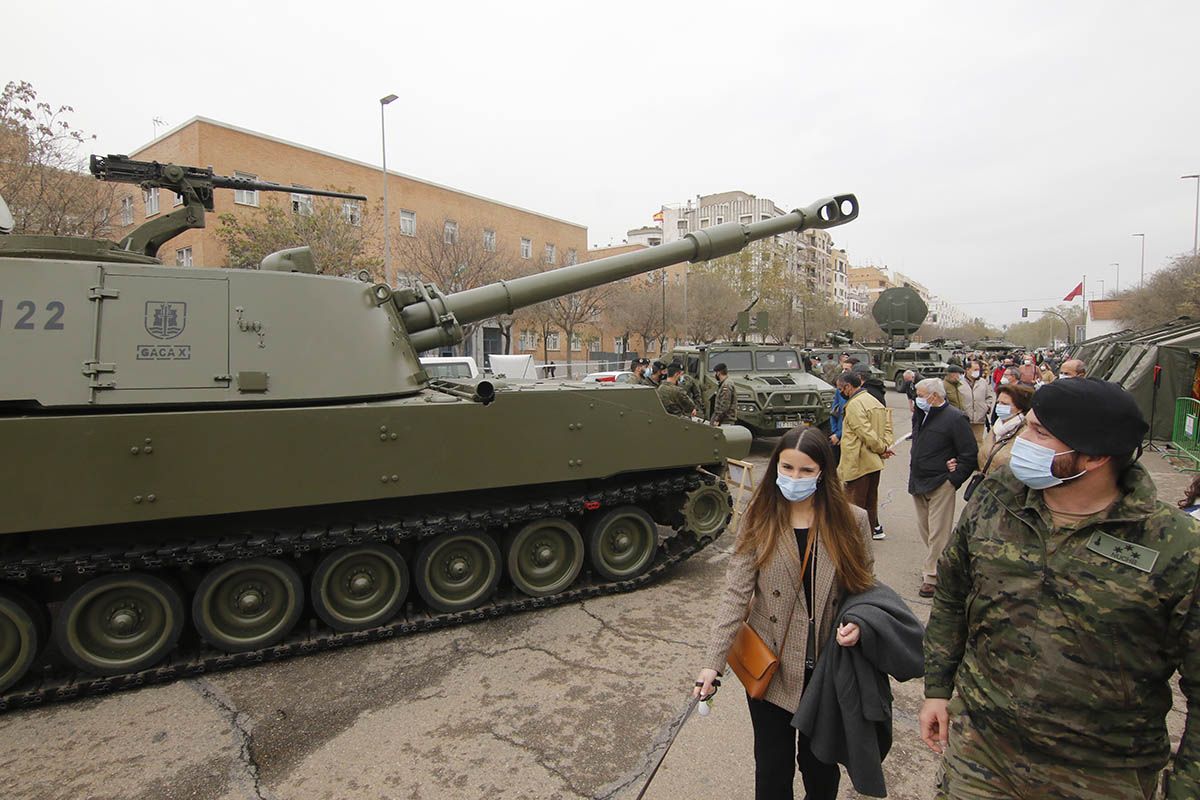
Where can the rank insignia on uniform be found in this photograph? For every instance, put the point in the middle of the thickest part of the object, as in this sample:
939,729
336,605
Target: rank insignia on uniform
1133,555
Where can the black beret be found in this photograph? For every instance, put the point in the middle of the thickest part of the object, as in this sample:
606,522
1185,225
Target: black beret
1091,416
659,365
720,367
956,368
674,369
637,361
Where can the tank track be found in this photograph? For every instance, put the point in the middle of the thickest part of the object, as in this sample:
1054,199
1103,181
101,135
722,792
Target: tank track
50,685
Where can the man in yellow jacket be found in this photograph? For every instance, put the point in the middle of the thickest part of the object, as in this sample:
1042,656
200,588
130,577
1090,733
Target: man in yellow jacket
866,442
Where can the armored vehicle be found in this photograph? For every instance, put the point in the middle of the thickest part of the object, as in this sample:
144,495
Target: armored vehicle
929,363
216,467
774,391
852,350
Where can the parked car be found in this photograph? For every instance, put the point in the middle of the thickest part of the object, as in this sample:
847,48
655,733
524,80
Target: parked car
617,376
449,367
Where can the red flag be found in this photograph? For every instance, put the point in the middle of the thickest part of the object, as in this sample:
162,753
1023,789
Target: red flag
1076,292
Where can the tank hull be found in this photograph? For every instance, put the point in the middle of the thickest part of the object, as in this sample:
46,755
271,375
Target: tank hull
160,465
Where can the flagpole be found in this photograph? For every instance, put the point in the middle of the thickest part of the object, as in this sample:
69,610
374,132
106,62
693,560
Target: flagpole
1083,297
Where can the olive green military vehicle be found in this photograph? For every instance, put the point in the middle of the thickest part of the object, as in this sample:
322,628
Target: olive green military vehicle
773,389
216,467
930,363
854,351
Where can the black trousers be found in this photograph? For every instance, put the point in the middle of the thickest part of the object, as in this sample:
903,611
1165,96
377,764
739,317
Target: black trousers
778,749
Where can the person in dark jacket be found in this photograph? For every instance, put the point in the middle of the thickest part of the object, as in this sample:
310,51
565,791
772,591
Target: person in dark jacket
846,712
872,384
944,455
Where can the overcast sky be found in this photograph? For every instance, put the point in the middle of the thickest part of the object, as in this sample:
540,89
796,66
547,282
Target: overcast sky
999,153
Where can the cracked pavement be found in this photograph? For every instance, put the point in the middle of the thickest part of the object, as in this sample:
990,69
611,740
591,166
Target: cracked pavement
571,702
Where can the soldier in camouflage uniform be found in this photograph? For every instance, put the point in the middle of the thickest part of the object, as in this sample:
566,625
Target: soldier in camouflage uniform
1066,600
725,406
640,367
674,399
691,385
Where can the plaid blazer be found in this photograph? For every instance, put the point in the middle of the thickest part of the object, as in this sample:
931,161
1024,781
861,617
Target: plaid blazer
770,594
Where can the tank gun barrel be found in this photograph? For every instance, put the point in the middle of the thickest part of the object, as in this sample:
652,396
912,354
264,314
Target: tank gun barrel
434,319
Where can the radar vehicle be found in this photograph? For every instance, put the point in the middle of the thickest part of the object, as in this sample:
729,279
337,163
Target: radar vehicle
216,467
900,311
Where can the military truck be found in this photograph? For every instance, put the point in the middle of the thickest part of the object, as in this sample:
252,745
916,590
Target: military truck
773,389
854,351
928,362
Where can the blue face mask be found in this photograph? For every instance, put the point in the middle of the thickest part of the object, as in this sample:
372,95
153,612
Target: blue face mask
796,489
1003,411
1033,465
923,404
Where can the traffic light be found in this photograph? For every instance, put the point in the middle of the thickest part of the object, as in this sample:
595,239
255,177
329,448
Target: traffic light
1024,312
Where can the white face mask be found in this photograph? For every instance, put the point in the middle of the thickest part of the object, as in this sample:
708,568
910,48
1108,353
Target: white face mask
1033,465
974,374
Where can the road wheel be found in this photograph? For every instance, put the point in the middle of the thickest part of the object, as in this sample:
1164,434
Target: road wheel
545,556
621,542
355,588
706,510
119,623
21,636
248,605
897,380
457,571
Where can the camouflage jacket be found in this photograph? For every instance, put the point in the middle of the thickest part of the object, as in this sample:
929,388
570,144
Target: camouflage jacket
675,400
725,407
1065,640
646,380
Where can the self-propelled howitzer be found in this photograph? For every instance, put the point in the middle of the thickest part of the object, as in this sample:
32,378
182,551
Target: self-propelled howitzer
229,451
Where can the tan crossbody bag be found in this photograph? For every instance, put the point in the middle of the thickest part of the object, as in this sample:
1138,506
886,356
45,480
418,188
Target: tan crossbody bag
749,657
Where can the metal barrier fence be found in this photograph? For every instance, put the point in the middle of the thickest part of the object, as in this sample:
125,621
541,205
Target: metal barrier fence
1186,434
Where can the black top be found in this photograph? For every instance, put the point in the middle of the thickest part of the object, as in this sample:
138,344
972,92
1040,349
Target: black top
938,436
802,542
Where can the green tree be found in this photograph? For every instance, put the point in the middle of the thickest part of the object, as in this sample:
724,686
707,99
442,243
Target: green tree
343,242
44,178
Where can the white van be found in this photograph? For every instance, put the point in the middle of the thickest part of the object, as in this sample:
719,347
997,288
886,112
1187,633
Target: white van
450,367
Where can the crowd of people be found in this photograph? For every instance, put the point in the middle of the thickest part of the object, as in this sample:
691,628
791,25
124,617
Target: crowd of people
1063,598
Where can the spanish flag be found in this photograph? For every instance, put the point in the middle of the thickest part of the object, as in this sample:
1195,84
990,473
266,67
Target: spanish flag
1076,292
658,216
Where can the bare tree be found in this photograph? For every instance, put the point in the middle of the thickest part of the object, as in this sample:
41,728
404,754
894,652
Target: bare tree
42,174
574,310
456,256
1168,293
342,235
710,299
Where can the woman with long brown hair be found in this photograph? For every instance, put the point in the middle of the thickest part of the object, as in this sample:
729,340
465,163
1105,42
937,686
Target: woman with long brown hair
801,547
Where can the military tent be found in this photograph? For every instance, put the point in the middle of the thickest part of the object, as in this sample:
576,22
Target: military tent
1174,348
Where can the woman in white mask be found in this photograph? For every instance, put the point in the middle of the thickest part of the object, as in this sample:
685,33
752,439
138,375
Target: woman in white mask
798,535
1012,404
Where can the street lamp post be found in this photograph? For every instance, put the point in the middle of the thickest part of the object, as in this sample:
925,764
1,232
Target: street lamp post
1196,224
1142,274
1118,266
387,224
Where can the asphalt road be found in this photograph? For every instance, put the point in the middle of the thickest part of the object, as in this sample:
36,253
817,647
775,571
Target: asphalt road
576,701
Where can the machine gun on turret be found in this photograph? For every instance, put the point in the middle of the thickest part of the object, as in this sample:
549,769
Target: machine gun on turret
193,184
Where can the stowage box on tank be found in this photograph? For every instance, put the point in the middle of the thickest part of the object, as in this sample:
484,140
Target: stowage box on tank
203,458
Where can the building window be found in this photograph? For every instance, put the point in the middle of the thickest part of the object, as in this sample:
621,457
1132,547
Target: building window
450,232
746,219
652,346
576,343
682,225
526,248
551,254
704,222
183,257
552,341
720,220
572,256
527,340
618,344
489,241
178,199
302,204
352,212
150,196
245,197
126,210
408,223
